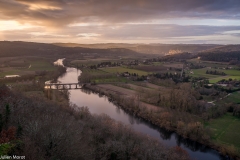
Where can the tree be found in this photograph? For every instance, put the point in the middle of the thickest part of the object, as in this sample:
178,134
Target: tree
7,114
1,122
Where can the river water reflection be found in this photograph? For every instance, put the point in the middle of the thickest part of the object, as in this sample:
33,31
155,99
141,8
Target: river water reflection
98,104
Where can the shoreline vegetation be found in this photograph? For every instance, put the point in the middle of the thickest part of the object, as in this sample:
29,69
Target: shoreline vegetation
54,131
186,110
190,128
186,103
42,124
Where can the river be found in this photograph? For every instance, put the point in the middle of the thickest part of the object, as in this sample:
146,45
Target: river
98,104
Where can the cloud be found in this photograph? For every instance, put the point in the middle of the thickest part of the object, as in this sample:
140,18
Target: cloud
159,31
136,21
63,12
133,33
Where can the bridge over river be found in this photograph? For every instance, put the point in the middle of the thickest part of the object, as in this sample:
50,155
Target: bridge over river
61,86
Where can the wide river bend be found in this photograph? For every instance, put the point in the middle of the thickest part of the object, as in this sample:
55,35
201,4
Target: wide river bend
98,104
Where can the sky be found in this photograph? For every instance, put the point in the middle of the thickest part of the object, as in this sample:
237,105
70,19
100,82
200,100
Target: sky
121,21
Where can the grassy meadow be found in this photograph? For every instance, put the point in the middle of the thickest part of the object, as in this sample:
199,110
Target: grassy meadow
89,62
230,73
123,69
215,80
25,66
208,63
232,98
202,73
225,130
233,74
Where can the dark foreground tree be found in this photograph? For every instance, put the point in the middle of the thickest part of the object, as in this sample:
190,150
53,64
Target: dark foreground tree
50,131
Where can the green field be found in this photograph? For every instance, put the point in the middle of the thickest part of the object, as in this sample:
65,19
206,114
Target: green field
233,98
209,63
100,76
226,130
35,65
110,80
215,80
10,71
231,72
93,71
89,62
157,63
122,69
234,74
202,73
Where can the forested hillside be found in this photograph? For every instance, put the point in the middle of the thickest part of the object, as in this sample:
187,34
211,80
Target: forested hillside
18,48
220,56
224,48
159,49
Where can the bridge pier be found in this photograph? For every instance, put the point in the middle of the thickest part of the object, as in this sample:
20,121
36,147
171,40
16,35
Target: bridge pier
76,86
70,86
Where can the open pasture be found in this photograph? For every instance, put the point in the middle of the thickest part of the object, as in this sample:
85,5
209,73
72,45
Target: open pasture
231,72
123,69
32,65
89,62
151,68
202,73
8,71
196,60
93,71
173,65
215,80
158,63
225,127
18,63
234,74
210,63
100,76
232,98
13,62
7,59
40,65
111,80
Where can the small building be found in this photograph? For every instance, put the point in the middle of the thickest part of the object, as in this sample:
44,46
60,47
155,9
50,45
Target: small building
126,74
11,76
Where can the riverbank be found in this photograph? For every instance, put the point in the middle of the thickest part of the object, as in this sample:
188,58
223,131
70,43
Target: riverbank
163,118
188,124
43,134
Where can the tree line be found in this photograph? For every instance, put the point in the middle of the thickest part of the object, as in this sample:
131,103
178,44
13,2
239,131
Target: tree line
215,72
220,56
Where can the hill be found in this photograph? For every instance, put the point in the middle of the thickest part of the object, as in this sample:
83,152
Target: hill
160,49
224,48
17,48
221,56
226,53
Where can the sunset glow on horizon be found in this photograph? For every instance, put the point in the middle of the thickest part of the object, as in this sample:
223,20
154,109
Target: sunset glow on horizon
136,21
